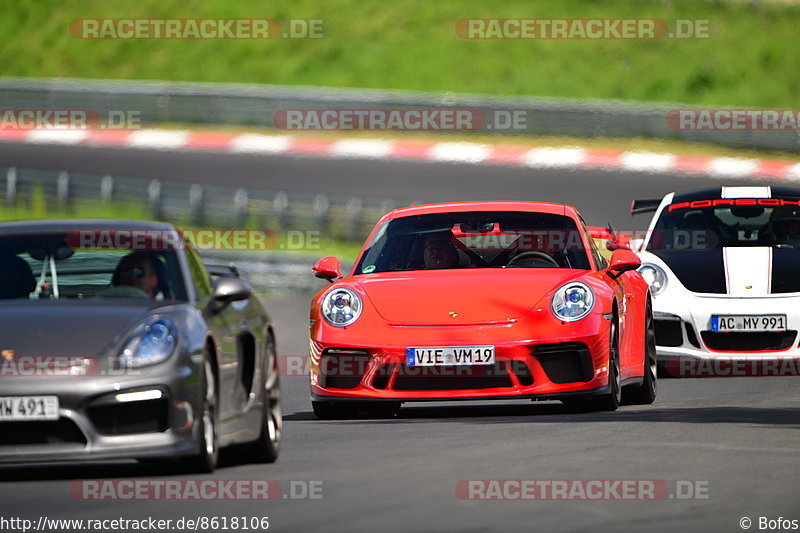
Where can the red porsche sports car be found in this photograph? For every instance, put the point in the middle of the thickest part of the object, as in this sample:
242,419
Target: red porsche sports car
481,300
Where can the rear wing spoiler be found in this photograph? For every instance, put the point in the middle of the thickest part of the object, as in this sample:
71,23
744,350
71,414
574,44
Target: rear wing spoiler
228,270
644,206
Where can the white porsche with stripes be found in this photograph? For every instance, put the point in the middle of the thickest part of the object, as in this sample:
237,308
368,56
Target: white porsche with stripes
723,267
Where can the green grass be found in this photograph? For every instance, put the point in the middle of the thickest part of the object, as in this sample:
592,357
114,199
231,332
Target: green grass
408,44
39,208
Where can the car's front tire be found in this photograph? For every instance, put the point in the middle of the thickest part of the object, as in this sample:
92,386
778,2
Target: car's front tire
208,442
645,393
266,447
611,400
328,410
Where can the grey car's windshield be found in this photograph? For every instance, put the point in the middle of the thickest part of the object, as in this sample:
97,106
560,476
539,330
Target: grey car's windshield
46,267
488,239
745,223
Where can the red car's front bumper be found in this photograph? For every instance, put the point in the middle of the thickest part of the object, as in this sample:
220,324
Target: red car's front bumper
571,360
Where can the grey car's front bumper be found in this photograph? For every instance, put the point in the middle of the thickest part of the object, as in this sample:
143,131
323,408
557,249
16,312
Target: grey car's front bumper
98,422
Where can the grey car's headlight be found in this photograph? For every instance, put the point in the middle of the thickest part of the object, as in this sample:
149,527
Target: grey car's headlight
153,341
341,307
655,276
572,301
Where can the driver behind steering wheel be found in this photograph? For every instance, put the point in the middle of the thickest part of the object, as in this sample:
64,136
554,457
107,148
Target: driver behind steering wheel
785,227
438,252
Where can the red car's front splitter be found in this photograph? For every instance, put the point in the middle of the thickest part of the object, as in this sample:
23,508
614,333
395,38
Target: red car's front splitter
536,371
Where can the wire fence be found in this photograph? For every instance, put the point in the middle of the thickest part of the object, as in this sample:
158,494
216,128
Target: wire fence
339,218
330,218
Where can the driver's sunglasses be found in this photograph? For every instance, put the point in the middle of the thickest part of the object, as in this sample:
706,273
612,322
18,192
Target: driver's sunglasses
138,272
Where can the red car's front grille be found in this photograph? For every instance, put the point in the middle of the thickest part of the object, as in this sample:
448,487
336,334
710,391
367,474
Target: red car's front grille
565,362
401,377
343,368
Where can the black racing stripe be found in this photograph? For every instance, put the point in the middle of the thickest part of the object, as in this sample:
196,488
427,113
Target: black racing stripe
698,270
705,194
785,270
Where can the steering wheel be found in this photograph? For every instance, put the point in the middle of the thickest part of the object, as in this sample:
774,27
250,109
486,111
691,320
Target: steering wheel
532,255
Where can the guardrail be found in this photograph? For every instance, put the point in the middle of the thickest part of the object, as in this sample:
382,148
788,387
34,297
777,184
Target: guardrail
256,105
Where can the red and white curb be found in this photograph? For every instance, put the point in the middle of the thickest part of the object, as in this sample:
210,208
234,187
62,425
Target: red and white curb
452,152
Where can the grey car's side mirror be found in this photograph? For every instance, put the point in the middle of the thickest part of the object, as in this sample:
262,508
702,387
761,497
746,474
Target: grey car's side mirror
230,289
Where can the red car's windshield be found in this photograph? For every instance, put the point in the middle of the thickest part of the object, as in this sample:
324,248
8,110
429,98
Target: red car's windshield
498,239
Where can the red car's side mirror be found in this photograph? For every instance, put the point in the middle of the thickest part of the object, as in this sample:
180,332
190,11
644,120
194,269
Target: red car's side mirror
623,260
328,268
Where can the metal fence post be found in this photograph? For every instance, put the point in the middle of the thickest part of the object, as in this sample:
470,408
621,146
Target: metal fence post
154,199
322,209
280,206
196,204
387,206
107,189
62,190
241,200
354,208
11,187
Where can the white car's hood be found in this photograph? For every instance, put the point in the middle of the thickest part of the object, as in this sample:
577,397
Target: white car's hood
744,272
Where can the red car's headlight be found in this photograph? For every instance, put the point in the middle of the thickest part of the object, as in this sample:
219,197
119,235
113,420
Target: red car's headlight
573,301
341,307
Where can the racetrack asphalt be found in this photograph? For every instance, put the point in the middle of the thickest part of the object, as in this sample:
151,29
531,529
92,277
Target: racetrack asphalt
736,436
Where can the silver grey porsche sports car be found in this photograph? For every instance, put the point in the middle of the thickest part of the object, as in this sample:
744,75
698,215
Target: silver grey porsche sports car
117,342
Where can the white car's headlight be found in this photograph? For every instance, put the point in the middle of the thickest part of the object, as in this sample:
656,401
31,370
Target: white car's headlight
152,342
572,301
341,307
655,276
